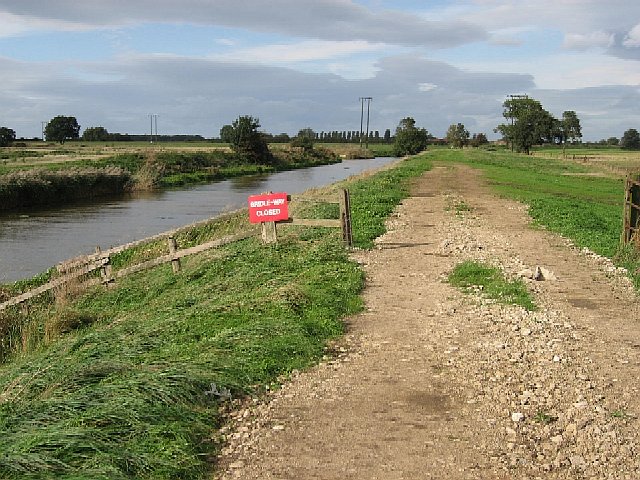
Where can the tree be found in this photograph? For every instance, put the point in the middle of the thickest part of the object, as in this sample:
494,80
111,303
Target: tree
387,136
530,124
569,128
304,139
247,142
409,139
478,140
457,136
630,140
61,128
613,141
226,134
96,134
7,136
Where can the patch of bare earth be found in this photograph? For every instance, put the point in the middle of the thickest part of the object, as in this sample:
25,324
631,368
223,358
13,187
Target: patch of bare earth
431,383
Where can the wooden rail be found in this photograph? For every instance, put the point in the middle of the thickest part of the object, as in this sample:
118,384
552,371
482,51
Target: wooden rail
631,223
81,268
269,232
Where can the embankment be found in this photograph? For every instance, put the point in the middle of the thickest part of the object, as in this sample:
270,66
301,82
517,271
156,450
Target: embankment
128,382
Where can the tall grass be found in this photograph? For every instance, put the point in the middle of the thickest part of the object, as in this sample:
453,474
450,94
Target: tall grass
123,388
42,187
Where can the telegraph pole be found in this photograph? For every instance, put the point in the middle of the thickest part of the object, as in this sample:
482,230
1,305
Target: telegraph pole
155,117
152,117
362,99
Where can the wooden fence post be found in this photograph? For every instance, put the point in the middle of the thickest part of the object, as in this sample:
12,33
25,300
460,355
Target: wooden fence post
269,232
631,228
173,249
345,217
626,230
635,211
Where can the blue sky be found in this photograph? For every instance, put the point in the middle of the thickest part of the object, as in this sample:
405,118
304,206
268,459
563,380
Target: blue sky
199,64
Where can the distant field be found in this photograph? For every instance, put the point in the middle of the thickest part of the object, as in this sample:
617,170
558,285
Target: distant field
34,154
46,153
611,159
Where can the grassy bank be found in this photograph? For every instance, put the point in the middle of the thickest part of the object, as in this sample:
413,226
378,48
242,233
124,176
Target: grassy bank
44,182
563,196
126,383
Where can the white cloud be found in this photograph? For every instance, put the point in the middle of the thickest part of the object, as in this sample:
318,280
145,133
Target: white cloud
305,51
14,25
427,87
633,37
598,39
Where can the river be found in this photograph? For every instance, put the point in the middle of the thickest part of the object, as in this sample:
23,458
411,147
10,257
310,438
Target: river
31,240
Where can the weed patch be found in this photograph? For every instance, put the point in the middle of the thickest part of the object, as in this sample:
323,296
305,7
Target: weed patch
473,277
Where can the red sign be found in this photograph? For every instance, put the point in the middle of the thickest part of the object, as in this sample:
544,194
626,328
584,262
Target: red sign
271,207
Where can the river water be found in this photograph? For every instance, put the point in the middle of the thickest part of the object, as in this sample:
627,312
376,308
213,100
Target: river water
31,241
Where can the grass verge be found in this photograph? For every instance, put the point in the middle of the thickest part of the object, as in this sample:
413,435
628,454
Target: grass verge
563,197
121,384
490,282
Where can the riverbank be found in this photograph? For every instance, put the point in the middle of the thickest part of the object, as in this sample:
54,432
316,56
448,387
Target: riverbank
33,240
148,363
61,182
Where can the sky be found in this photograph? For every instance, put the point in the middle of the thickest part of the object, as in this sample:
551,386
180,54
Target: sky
199,64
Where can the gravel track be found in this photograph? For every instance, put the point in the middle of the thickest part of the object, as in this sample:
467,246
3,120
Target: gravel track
431,383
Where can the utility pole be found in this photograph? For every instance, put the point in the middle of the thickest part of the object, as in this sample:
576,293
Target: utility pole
362,99
152,117
155,116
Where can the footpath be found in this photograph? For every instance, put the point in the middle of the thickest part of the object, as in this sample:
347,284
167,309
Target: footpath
432,383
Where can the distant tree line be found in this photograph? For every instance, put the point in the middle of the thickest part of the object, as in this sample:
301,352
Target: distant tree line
345,136
528,124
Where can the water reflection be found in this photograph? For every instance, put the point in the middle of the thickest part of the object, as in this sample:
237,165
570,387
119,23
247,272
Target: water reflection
250,181
34,239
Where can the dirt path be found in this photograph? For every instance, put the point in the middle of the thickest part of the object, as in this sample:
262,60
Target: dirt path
431,383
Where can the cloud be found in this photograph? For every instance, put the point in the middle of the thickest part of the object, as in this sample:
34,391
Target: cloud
198,96
427,87
633,37
339,20
304,51
13,25
598,39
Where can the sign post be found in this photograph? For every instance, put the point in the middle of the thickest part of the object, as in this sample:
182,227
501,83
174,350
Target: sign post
267,209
